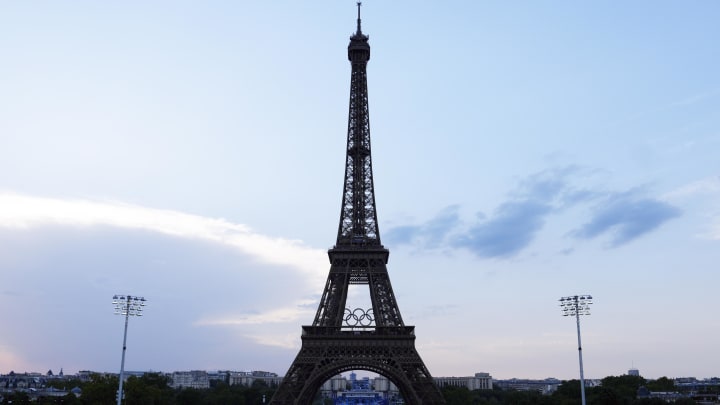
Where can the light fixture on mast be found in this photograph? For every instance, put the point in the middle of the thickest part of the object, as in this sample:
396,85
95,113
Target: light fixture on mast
577,305
127,305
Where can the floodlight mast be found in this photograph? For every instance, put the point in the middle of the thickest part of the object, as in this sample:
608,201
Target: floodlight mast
127,305
577,305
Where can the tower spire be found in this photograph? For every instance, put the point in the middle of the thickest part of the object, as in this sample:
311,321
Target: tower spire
359,49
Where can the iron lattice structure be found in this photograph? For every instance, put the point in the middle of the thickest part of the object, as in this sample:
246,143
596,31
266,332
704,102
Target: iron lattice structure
341,339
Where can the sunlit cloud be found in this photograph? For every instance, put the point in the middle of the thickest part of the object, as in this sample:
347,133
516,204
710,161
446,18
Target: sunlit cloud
286,341
24,212
706,186
291,314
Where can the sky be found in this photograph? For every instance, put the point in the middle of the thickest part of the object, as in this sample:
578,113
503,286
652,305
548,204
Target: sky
192,153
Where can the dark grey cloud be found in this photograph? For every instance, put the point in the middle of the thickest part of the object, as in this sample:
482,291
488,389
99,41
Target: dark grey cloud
515,223
512,228
626,217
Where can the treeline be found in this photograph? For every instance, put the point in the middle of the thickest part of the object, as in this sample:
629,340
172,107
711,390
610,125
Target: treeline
154,389
150,389
621,390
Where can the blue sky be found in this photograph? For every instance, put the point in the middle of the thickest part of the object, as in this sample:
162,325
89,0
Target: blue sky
193,154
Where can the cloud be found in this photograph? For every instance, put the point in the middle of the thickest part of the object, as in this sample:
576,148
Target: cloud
210,283
439,311
702,192
431,233
438,227
286,341
702,187
513,225
547,185
401,235
626,216
23,212
511,229
277,315
516,222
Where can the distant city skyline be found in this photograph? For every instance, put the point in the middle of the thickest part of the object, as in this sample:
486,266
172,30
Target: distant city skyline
192,154
358,373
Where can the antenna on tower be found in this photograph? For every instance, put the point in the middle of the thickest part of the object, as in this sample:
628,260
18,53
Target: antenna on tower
359,3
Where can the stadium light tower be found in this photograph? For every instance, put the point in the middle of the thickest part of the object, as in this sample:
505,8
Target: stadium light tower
129,306
577,305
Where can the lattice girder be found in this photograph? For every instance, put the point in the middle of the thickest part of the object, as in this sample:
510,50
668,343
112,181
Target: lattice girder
358,216
359,266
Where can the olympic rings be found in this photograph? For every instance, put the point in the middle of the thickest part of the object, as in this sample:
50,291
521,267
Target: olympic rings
358,317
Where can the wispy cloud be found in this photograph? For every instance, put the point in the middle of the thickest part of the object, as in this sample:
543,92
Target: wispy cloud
515,223
702,189
289,314
286,341
438,311
695,98
22,212
429,234
705,186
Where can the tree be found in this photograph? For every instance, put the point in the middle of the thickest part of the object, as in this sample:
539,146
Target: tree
625,386
652,401
661,384
226,394
17,398
189,396
457,395
100,390
64,384
605,396
69,399
149,389
568,392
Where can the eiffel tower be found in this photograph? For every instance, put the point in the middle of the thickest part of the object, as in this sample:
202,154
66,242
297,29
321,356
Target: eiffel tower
373,339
